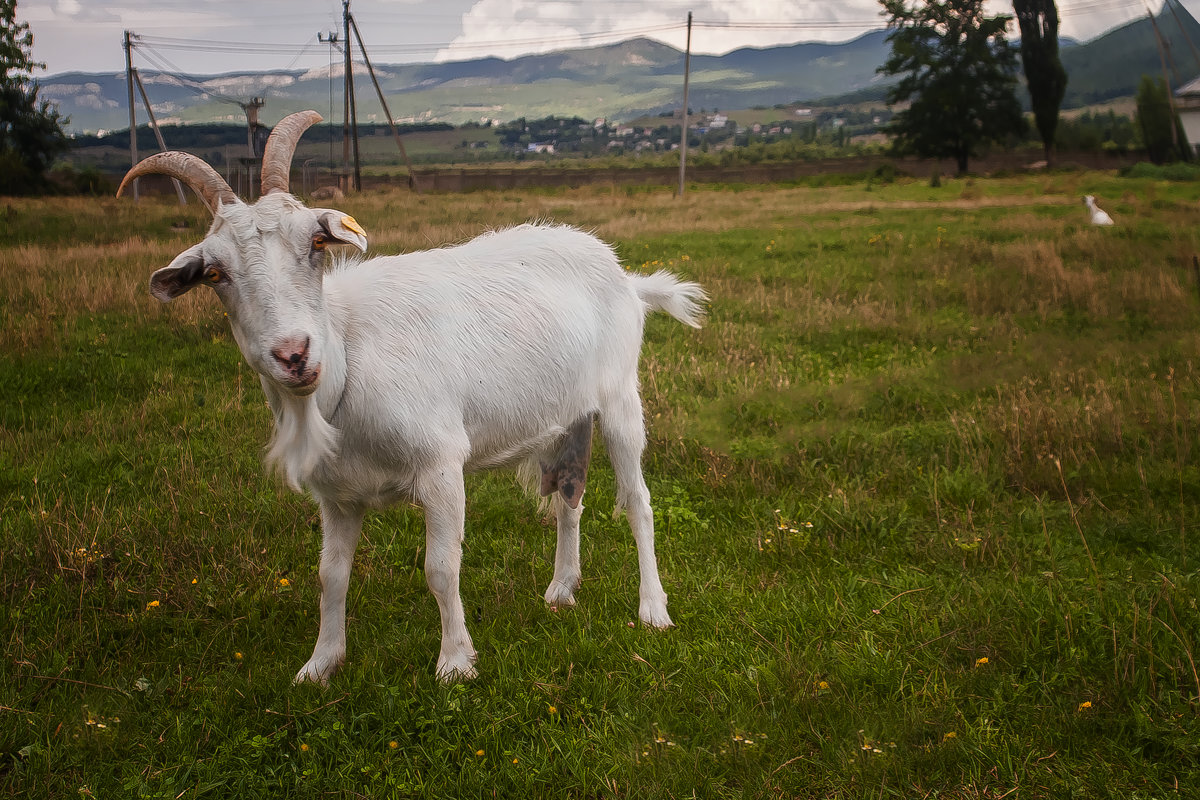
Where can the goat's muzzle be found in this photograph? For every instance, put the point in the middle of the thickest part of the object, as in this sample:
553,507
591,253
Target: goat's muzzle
294,372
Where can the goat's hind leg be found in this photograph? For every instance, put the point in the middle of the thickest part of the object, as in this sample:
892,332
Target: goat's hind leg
564,476
625,437
567,574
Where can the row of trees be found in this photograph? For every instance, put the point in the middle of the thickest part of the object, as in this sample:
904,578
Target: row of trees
958,72
959,75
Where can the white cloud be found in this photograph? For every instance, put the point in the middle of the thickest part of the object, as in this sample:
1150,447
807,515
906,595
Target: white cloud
513,27
509,28
85,35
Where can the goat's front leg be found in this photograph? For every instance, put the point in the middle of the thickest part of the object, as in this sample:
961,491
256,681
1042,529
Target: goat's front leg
340,529
444,498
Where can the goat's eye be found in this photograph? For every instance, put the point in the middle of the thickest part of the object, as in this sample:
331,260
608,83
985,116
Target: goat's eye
319,240
213,275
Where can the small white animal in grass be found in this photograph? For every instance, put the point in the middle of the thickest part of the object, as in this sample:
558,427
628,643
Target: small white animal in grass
1098,215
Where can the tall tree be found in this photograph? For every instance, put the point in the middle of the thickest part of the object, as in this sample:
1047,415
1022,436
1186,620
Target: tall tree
1044,73
1162,133
959,73
31,134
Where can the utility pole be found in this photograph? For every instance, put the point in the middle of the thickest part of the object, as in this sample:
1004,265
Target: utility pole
133,157
251,108
1163,55
331,39
350,119
1195,53
1164,51
683,138
412,174
162,145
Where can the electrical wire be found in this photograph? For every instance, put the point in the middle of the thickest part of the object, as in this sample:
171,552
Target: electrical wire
168,69
151,46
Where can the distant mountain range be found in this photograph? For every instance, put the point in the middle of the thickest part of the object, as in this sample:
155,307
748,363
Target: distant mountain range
619,81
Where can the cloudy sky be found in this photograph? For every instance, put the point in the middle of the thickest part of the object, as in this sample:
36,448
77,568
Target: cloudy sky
217,36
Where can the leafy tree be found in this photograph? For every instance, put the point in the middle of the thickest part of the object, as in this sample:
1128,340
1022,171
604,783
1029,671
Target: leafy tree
959,72
31,133
1162,133
1044,73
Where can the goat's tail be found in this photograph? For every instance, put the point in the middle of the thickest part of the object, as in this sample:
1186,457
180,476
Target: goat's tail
662,291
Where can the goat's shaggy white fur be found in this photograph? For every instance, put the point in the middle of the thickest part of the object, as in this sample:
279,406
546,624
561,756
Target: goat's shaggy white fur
390,377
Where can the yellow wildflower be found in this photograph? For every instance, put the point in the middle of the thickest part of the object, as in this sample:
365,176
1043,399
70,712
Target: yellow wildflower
979,662
152,604
1085,705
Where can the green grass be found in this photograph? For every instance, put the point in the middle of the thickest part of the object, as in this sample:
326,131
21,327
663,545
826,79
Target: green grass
926,489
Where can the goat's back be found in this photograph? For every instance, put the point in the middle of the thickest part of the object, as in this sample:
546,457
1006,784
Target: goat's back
510,335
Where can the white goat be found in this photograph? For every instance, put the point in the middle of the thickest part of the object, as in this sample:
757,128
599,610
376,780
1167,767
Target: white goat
391,376
1097,215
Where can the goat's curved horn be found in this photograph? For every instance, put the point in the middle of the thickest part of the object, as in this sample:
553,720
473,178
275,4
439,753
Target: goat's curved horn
281,146
190,169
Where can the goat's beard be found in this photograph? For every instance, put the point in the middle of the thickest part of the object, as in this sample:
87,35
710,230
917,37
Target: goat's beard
302,440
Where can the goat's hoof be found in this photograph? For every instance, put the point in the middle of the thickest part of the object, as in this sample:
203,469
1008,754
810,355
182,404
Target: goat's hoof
559,595
317,670
655,616
308,675
456,670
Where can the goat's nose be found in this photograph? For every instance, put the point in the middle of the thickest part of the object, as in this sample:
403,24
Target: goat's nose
292,353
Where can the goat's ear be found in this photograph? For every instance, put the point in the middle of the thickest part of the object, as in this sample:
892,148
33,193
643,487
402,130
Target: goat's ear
343,228
178,277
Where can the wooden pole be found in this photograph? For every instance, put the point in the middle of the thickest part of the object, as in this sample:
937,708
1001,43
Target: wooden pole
346,100
1162,57
133,155
1195,53
683,137
412,173
351,106
1164,51
162,145
331,40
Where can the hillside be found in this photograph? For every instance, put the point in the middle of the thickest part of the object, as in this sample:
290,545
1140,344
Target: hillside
619,81
1111,65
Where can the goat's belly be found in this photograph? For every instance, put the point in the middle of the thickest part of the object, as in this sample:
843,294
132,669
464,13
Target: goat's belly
490,454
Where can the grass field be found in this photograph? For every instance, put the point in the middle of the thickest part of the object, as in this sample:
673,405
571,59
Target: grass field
926,488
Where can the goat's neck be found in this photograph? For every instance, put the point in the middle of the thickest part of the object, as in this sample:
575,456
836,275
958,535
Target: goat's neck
304,439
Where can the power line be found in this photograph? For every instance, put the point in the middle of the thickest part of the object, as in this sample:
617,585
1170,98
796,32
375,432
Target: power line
168,69
1096,6
189,44
217,46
